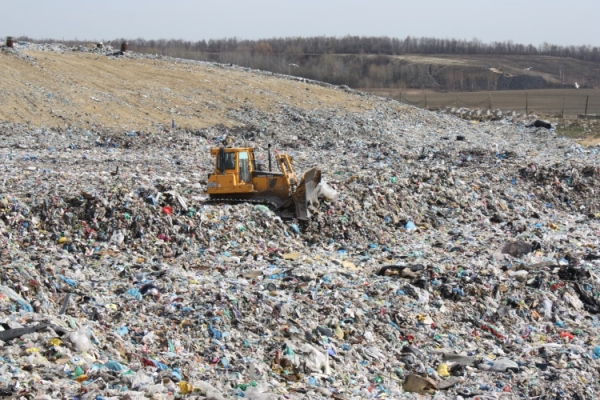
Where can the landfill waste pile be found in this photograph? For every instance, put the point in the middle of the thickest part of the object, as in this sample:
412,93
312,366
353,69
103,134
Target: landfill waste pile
479,114
444,259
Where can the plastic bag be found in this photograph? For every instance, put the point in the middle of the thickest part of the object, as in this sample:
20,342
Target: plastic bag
81,339
325,191
141,379
11,294
316,360
205,388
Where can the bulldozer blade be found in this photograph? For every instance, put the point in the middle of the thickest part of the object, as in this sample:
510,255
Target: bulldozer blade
306,193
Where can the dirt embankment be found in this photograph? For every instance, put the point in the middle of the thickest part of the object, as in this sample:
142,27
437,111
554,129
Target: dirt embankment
133,92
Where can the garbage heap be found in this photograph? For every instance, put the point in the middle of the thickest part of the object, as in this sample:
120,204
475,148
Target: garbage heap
448,260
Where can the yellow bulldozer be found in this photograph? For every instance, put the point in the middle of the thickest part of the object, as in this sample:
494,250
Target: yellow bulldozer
239,177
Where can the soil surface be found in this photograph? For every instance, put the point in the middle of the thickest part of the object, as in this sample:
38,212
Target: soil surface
86,90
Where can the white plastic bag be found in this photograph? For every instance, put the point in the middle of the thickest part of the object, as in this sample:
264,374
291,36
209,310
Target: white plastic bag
141,379
81,339
316,360
325,191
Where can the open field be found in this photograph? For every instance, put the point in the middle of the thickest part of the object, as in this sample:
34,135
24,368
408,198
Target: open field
558,70
571,102
560,106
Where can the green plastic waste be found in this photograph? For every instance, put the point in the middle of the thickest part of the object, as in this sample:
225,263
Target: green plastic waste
78,372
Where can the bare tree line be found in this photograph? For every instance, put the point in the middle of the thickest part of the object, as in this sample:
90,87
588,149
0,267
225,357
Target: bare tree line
360,45
371,45
358,61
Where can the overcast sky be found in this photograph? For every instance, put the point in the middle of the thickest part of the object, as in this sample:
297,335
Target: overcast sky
572,22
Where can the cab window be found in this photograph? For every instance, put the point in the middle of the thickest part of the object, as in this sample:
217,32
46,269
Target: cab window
228,161
244,167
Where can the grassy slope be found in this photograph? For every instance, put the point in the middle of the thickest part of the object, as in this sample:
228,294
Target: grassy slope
83,90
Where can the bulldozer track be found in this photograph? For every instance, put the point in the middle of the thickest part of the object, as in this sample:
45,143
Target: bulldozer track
271,204
276,208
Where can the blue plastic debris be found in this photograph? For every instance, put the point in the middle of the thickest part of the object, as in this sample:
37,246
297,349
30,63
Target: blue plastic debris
114,366
68,281
123,330
410,226
214,333
135,293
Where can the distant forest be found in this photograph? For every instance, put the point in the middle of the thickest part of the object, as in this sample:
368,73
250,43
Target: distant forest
352,60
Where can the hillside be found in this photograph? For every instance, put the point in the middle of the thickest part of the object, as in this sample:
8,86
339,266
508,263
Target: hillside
445,72
383,62
467,73
82,89
504,72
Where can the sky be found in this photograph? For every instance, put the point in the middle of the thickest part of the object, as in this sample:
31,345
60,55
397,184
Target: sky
573,22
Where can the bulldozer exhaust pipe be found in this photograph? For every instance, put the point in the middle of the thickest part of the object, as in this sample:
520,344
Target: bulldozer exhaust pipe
270,168
222,160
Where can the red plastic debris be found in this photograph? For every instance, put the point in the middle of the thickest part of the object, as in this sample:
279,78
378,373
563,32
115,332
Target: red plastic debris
567,335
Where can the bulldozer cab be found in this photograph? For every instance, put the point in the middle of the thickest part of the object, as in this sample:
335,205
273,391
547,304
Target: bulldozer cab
235,161
236,172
